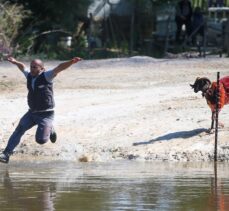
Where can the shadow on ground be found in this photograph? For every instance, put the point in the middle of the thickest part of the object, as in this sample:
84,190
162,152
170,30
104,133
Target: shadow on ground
175,135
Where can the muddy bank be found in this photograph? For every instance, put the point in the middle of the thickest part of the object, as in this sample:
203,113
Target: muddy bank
135,108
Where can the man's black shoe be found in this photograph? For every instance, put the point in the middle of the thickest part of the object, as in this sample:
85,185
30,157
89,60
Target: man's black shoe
53,136
4,157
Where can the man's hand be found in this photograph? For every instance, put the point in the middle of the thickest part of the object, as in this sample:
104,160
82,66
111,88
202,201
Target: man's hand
75,60
65,65
11,59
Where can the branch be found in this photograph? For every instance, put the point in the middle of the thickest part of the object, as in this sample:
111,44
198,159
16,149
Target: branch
51,31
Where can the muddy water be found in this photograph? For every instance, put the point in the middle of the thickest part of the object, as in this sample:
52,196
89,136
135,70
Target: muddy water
113,186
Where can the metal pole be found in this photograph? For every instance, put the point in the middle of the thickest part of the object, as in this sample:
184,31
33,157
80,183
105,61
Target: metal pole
216,117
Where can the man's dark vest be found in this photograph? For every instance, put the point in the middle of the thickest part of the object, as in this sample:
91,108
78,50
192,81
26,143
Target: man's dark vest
41,98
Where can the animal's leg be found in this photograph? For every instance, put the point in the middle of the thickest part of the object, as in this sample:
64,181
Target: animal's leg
210,130
220,124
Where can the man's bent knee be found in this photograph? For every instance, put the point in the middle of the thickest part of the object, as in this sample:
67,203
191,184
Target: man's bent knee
41,141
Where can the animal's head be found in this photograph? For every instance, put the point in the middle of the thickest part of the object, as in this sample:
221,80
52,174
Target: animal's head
201,84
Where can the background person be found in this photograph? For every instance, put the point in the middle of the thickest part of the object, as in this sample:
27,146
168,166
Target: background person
197,24
183,17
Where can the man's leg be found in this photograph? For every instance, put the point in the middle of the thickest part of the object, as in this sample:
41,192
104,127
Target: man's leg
25,124
45,127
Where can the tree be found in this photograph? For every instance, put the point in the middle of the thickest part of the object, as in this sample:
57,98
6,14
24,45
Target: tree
49,20
11,19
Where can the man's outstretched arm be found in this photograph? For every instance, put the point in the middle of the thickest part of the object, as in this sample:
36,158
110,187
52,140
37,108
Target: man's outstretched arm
65,65
20,65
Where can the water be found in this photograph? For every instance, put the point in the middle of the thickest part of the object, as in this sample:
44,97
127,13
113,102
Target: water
113,186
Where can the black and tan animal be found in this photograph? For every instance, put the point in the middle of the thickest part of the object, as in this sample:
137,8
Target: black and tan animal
208,90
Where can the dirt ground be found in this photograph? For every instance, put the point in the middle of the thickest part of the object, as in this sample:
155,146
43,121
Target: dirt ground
135,108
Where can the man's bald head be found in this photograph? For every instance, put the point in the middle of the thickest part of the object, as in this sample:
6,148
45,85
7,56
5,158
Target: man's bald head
38,62
36,67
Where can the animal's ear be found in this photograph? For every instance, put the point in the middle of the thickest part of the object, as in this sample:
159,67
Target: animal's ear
208,81
205,82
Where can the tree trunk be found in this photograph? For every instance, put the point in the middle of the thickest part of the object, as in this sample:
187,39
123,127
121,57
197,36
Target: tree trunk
132,23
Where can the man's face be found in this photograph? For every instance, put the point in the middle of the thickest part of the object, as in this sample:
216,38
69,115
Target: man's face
36,67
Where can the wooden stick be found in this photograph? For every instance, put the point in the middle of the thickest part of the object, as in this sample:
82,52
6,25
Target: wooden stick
216,117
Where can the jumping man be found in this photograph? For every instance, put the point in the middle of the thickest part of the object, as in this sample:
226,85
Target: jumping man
40,101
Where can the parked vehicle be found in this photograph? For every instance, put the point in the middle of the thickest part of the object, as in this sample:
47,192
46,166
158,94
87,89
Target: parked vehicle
216,25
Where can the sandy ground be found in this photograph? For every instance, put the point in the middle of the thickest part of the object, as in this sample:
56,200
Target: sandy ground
135,108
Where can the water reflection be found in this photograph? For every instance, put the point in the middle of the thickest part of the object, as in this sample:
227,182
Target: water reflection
17,195
219,196
114,186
